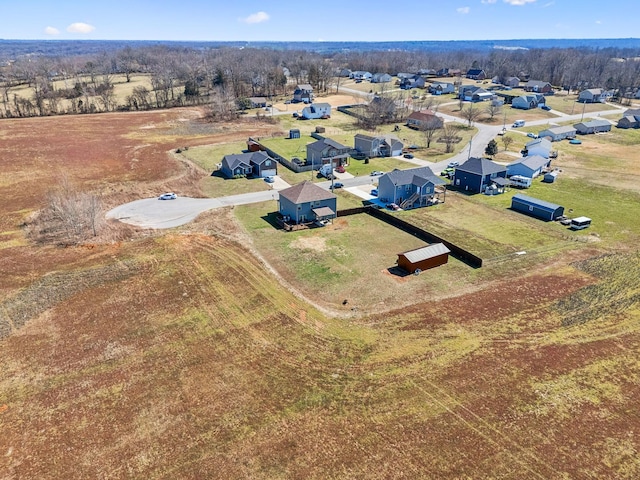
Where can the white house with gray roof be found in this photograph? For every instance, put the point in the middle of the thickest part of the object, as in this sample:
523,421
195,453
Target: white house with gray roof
315,111
411,188
539,146
558,133
593,126
379,146
530,166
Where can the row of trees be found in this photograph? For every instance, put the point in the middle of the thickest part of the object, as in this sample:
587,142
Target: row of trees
182,76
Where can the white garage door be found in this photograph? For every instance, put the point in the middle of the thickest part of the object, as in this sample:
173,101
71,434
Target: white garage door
268,173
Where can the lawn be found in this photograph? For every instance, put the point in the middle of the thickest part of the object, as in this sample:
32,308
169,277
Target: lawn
569,104
349,259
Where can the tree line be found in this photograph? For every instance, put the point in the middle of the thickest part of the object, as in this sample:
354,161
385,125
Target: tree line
224,76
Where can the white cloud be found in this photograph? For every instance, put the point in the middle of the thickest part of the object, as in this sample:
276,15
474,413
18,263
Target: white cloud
51,31
80,27
463,10
257,17
519,2
598,22
488,1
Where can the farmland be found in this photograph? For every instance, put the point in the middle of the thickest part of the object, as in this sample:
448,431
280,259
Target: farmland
225,349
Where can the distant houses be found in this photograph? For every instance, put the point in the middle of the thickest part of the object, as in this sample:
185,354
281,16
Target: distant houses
631,119
538,86
476,174
441,88
593,95
378,146
360,75
414,81
381,78
476,74
527,102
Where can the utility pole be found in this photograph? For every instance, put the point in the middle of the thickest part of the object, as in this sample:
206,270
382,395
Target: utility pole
470,142
584,105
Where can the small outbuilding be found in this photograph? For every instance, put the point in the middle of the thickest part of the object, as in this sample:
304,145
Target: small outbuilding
535,207
424,258
294,133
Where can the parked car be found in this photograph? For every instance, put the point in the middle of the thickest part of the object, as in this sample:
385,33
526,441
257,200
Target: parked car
374,192
269,179
168,196
294,114
518,123
532,135
392,206
447,172
376,173
336,185
546,107
453,164
408,155
340,169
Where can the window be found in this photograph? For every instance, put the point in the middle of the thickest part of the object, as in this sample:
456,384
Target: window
531,208
267,163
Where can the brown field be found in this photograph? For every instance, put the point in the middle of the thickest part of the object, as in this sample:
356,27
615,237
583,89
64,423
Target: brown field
182,354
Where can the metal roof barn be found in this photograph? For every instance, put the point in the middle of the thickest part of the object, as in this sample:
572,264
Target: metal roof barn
536,207
424,258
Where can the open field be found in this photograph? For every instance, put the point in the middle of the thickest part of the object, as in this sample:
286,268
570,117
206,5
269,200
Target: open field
197,352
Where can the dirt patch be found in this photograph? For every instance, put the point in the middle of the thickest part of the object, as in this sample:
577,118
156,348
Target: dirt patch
317,244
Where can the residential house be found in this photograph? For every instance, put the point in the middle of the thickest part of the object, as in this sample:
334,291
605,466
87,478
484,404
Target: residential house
536,207
402,75
631,119
476,74
327,151
306,202
361,75
482,95
538,86
558,133
424,258
431,72
593,126
440,88
476,174
381,78
512,82
415,81
527,102
344,72
410,188
258,102
257,164
538,147
424,118
591,95
303,93
465,92
530,166
316,110
380,146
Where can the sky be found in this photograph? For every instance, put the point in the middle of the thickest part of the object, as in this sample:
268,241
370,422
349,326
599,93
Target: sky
325,20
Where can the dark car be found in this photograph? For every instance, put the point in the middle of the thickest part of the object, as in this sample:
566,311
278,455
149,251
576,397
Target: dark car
336,185
392,206
408,155
545,107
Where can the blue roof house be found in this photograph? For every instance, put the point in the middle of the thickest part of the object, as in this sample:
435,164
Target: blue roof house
530,166
411,188
476,174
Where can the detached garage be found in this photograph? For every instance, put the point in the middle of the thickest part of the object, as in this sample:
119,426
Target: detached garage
424,258
536,207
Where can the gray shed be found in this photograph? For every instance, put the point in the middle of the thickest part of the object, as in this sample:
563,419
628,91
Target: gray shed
294,133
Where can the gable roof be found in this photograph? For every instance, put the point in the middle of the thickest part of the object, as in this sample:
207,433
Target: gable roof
306,192
594,123
536,201
560,129
234,160
592,91
414,176
424,253
320,145
543,142
481,166
475,71
634,112
304,86
422,115
534,162
536,83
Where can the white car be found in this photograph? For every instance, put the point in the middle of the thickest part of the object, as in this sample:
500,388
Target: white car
453,164
168,196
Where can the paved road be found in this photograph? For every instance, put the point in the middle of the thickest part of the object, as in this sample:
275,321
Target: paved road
154,213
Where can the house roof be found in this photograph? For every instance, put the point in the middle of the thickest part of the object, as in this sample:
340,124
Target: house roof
592,91
536,201
258,99
325,142
304,86
536,83
561,129
594,123
408,176
533,162
237,159
424,253
259,157
543,142
634,112
323,212
629,118
480,166
306,192
318,105
422,115
475,71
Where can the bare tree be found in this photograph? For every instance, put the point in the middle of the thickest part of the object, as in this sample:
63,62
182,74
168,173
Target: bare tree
470,113
429,129
449,137
506,141
493,109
